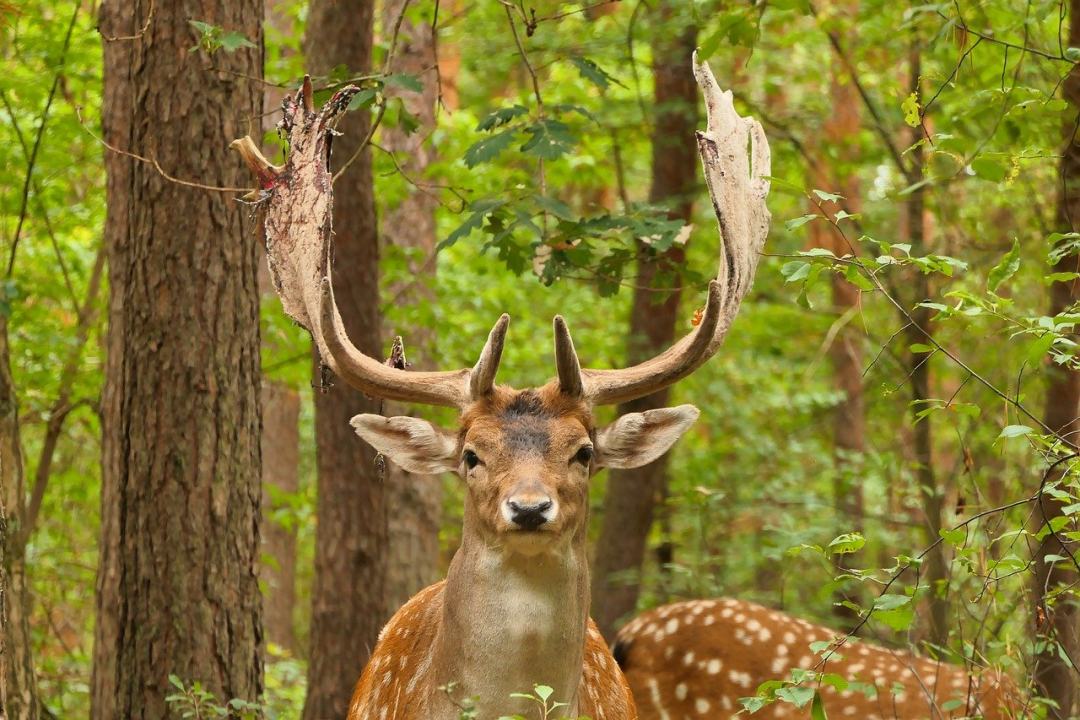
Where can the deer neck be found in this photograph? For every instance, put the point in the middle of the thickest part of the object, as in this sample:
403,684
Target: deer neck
512,621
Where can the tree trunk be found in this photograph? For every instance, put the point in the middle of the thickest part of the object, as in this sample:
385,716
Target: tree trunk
280,470
1054,678
934,572
631,494
177,578
846,351
351,537
18,686
415,500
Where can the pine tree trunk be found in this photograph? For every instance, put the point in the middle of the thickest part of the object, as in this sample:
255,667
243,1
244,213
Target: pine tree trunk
18,686
177,578
351,537
1054,678
280,470
631,494
415,500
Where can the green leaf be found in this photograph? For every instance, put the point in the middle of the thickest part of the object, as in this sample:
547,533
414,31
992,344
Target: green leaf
797,696
921,348
543,692
362,99
501,117
990,168
548,139
1038,348
174,680
1004,269
795,270
404,81
956,537
1011,431
817,708
910,108
556,207
847,543
233,41
594,73
799,221
486,149
891,601
828,196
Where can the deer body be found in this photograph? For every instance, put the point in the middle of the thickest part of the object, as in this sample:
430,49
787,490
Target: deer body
696,659
513,611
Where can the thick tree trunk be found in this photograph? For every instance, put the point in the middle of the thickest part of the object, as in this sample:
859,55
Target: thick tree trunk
18,686
1061,621
631,494
351,537
177,578
280,470
415,501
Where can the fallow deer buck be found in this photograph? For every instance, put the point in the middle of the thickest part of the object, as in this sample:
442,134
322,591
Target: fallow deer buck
695,659
514,608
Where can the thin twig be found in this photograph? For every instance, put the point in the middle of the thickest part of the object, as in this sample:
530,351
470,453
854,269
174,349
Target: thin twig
154,162
142,31
24,203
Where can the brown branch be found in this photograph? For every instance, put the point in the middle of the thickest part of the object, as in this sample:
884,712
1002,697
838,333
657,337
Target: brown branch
142,31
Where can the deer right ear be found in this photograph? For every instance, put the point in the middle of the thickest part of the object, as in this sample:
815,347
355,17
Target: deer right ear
413,444
636,439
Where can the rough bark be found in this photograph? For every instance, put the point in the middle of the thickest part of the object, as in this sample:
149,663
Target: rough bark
177,579
18,686
280,470
351,537
630,498
415,501
1054,678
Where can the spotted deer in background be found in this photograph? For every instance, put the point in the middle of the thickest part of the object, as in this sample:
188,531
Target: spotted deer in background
514,608
696,659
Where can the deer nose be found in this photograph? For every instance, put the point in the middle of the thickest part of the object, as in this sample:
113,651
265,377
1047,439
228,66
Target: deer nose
529,514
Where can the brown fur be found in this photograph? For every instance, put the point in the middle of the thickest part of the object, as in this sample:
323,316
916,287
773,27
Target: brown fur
697,658
514,608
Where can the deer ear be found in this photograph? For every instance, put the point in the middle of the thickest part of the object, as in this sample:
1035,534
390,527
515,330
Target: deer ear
415,445
637,439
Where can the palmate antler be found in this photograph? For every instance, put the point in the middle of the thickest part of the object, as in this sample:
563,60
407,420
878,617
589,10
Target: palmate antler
298,200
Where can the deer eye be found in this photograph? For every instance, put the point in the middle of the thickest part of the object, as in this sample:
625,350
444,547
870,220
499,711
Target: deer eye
471,459
584,455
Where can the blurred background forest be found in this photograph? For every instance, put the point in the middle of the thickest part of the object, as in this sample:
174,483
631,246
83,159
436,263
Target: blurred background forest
889,424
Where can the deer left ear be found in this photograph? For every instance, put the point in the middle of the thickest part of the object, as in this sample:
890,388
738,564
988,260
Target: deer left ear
415,445
637,439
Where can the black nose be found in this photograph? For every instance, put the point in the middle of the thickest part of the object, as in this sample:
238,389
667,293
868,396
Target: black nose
529,515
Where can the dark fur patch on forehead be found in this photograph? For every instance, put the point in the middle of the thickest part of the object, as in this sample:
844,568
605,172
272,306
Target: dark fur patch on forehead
532,407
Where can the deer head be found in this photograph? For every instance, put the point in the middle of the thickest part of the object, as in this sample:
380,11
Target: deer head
526,456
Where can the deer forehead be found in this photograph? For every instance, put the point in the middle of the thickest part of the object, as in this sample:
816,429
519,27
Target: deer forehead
527,422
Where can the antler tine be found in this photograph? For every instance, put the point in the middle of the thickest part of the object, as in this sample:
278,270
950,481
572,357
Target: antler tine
738,186
566,360
482,377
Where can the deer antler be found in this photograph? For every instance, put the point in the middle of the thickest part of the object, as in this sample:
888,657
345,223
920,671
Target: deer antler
298,222
738,185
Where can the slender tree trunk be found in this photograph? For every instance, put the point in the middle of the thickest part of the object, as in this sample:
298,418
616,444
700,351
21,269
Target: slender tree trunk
415,500
351,537
18,686
837,175
280,446
631,494
934,571
280,470
1059,620
177,578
